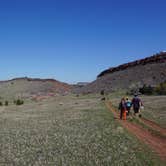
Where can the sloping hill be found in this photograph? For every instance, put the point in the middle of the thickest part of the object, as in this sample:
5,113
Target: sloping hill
149,71
26,87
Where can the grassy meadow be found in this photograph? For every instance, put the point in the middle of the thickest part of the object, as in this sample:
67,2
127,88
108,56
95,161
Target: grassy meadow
69,130
154,107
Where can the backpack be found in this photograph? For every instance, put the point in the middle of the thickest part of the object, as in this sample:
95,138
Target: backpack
128,104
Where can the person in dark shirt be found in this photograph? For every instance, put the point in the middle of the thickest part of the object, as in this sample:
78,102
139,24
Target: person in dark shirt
136,103
122,108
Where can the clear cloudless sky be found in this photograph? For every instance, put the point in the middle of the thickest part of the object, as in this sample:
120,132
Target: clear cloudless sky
74,40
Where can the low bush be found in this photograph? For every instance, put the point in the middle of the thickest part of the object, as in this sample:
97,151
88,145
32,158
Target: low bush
6,103
102,92
18,102
148,90
1,104
161,89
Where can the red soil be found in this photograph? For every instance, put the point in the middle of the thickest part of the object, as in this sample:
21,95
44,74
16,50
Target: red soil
154,125
156,143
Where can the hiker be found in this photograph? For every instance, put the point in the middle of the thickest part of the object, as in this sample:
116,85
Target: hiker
122,108
128,106
136,103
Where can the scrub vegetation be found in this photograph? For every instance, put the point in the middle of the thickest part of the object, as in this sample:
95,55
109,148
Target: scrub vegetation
68,130
154,106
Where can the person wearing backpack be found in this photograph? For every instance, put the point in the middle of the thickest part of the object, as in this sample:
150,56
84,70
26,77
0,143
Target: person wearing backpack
136,103
122,108
128,106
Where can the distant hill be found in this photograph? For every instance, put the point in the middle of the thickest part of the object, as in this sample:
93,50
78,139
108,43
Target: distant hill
25,87
149,71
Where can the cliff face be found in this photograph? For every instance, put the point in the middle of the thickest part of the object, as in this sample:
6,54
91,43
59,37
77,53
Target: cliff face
149,71
158,58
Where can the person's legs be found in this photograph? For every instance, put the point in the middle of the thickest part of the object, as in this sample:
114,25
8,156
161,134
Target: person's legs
121,114
124,115
128,111
136,111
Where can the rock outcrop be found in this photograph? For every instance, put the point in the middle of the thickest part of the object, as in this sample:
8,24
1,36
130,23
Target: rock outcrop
158,58
149,71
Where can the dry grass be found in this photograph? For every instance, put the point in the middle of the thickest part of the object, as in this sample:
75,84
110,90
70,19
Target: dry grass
67,131
154,107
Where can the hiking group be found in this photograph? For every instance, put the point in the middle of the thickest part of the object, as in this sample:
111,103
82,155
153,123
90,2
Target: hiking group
125,106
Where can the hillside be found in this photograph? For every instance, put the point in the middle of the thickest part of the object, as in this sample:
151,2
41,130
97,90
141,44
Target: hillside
149,71
25,87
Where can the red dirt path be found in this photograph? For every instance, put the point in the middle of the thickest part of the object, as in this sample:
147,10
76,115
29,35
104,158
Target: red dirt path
154,126
156,143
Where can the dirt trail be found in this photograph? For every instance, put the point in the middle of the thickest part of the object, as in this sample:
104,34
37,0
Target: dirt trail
154,126
156,143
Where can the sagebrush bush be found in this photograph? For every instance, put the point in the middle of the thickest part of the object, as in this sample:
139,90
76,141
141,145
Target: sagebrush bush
148,90
19,102
157,90
161,88
102,92
1,104
6,103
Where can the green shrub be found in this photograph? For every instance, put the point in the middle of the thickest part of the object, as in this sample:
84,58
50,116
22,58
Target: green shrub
161,88
6,103
19,102
158,90
148,90
102,92
1,104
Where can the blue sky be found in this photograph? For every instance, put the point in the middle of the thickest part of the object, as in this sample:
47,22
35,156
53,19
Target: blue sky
74,40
